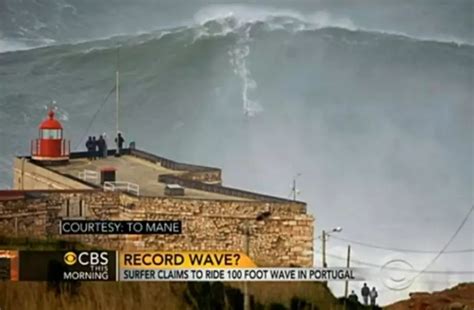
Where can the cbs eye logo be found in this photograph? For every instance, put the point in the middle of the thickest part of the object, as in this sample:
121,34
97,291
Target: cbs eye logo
86,258
70,258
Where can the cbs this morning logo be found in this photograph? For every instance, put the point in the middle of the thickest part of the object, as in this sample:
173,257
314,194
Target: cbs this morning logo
87,265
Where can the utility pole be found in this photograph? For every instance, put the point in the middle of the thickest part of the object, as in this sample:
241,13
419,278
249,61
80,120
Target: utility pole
247,234
247,251
324,249
324,238
117,101
346,289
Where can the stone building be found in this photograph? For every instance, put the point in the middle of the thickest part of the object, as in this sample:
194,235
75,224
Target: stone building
143,186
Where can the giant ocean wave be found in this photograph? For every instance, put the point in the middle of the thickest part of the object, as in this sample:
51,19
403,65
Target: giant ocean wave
234,33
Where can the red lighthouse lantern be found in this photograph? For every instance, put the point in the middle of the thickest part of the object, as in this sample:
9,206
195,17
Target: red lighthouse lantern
50,147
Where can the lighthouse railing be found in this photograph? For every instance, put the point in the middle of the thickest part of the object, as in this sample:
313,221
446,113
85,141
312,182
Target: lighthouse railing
35,147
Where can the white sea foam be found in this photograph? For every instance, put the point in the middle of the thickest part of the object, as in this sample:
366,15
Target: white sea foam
7,45
238,59
10,45
275,19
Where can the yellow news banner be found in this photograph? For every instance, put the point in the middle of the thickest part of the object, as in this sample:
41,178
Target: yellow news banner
173,260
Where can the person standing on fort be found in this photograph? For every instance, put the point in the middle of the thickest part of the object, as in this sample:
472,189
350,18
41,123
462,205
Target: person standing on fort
373,296
105,149
365,292
94,148
90,148
119,140
101,146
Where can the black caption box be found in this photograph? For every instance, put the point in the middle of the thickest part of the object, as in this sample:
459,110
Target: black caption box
82,227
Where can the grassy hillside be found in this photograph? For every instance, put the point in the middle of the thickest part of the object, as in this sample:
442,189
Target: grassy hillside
459,297
166,295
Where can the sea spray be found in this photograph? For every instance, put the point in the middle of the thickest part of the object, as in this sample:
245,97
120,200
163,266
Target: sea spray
238,59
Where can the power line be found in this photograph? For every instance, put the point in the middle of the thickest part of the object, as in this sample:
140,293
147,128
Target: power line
374,265
446,245
380,247
93,118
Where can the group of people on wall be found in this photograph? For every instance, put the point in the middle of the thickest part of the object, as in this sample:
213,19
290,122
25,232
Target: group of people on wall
97,147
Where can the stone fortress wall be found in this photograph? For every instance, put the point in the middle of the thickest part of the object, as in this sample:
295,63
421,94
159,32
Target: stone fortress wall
284,239
45,197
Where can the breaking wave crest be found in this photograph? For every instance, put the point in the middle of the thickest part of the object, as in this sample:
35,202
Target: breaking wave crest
234,32
220,20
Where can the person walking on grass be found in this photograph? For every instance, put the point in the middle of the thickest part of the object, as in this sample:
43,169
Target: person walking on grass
373,296
365,292
353,297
